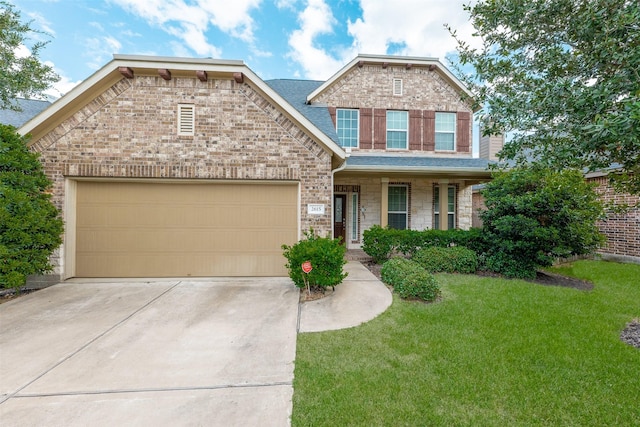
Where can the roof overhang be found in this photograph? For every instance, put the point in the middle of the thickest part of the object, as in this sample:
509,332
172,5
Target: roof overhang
166,67
433,64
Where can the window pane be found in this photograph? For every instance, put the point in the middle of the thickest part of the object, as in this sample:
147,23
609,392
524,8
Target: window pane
436,222
354,216
397,199
397,127
347,127
452,200
445,131
397,220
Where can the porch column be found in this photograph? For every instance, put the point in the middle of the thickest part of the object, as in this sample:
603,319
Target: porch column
443,184
384,202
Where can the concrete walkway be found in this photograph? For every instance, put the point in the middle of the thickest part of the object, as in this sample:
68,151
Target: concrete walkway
360,298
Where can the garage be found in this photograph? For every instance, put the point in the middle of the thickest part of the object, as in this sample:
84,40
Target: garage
183,229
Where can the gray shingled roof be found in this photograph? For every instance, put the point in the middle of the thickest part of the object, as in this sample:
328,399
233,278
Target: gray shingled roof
295,93
411,162
30,108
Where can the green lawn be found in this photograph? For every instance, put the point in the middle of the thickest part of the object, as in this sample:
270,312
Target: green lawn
492,353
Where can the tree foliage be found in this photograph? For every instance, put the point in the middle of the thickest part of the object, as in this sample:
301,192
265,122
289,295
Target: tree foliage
564,77
20,75
30,225
535,215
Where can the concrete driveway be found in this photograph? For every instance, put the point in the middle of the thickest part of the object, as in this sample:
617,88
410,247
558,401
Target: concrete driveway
181,352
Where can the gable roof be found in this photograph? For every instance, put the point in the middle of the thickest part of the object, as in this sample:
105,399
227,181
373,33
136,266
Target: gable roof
110,73
28,107
432,64
295,92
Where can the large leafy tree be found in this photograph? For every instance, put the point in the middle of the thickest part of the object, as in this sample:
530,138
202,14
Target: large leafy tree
20,75
30,225
564,77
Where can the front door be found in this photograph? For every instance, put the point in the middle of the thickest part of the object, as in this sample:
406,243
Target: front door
340,216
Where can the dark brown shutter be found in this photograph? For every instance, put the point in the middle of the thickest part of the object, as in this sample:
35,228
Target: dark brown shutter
429,130
332,113
462,132
415,134
380,129
366,128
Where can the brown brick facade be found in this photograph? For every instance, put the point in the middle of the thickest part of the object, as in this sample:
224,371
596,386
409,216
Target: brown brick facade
130,130
622,230
370,89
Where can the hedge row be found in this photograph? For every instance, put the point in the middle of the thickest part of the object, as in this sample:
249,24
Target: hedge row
382,243
409,279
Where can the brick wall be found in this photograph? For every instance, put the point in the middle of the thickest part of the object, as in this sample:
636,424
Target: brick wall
370,88
621,230
130,130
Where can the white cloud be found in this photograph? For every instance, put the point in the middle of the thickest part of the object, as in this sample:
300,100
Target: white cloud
316,19
101,50
42,22
190,22
409,27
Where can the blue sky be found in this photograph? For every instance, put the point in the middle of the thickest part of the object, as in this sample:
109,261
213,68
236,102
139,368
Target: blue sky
309,39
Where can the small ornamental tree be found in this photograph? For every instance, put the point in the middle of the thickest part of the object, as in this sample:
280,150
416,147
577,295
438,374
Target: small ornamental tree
30,225
535,215
326,256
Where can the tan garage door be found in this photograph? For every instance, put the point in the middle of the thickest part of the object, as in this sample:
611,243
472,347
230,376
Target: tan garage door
134,229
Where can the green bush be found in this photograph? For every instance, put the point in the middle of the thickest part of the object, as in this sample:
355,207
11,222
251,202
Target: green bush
409,279
456,259
382,243
326,256
30,225
395,270
534,216
421,284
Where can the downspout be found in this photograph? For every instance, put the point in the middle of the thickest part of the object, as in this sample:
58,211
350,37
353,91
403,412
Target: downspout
333,172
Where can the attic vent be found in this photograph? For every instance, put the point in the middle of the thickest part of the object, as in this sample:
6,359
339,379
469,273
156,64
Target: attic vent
186,119
397,86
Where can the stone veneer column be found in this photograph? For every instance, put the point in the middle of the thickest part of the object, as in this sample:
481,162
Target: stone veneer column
384,202
443,185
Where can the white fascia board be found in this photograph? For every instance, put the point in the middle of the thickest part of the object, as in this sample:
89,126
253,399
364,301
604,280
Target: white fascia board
392,60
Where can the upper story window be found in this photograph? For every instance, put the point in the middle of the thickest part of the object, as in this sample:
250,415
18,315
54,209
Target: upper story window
445,131
397,129
347,125
186,119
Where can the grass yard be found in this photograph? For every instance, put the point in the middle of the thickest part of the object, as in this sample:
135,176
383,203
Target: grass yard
493,352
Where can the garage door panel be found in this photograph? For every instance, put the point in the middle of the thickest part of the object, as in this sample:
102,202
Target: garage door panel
174,230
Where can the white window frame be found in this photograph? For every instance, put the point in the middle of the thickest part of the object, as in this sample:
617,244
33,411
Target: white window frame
406,205
451,215
440,131
393,129
354,217
186,119
357,129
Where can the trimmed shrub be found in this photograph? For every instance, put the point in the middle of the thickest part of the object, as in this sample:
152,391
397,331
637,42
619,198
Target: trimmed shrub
456,259
409,279
395,270
382,243
421,285
326,256
535,215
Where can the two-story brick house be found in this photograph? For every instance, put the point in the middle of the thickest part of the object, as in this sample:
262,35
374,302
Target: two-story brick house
197,167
